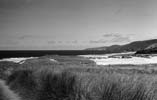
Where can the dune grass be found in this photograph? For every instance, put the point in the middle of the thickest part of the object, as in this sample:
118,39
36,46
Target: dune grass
51,84
5,69
41,79
23,82
113,87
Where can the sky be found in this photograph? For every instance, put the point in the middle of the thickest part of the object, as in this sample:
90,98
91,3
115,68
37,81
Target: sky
75,24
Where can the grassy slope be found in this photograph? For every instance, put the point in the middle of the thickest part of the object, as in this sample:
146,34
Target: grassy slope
75,78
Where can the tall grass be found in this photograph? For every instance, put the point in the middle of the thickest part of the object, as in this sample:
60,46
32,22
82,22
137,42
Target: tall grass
6,68
52,84
57,86
23,82
111,87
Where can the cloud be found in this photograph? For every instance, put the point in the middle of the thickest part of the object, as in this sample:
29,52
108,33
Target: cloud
98,41
51,42
26,37
111,35
74,42
112,38
62,42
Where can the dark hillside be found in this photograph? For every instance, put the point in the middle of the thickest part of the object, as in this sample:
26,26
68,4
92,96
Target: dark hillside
133,46
152,49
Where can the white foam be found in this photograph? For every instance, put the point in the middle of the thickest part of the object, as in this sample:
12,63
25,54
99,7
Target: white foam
19,60
106,60
107,55
133,61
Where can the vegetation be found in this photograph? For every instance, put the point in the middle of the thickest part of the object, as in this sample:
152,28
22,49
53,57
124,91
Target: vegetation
6,68
42,79
49,84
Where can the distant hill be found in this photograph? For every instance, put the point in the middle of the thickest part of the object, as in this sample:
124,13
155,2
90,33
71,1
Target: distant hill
133,46
152,49
153,46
